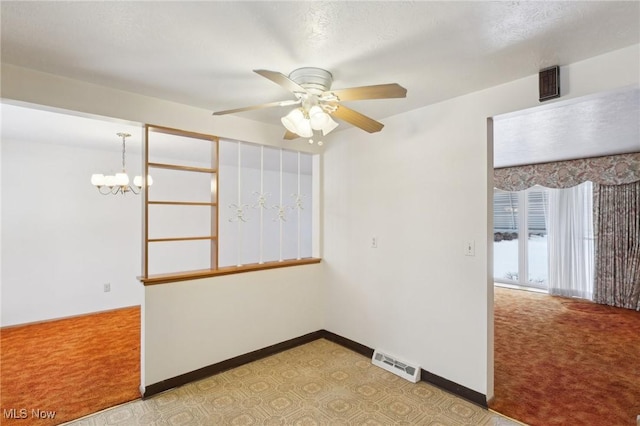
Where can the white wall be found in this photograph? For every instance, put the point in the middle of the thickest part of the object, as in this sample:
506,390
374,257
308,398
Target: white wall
422,186
197,323
61,239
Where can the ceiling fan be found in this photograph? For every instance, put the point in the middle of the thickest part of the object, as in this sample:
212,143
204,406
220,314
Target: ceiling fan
317,103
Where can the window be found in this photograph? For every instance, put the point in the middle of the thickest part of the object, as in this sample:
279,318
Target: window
220,206
543,238
520,237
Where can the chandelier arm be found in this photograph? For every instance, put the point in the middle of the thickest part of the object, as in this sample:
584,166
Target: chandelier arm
102,192
133,189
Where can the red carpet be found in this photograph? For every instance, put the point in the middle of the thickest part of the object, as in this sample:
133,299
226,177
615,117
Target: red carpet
561,361
60,370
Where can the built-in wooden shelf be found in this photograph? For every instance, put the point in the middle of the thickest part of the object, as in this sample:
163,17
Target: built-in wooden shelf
182,168
164,240
183,203
208,226
227,270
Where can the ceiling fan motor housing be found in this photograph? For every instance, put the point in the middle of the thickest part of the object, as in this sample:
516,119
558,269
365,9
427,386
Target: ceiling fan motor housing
315,80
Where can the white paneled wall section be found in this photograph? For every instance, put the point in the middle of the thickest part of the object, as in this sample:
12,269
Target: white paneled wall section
265,204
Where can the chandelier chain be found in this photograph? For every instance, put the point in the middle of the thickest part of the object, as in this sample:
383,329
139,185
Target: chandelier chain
124,137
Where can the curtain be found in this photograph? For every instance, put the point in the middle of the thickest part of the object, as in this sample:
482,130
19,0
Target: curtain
570,245
617,258
609,170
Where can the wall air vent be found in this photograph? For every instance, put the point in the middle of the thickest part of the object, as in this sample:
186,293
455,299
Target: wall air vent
410,372
549,83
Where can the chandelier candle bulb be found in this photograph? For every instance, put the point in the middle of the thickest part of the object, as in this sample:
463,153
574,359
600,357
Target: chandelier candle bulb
137,181
110,181
97,179
122,179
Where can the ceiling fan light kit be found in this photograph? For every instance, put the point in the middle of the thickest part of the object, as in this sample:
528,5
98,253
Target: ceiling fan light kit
297,122
303,123
318,103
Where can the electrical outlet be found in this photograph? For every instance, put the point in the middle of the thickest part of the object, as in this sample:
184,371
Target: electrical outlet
107,287
374,242
470,248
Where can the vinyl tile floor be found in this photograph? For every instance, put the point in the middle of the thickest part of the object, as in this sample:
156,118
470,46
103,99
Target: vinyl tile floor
319,383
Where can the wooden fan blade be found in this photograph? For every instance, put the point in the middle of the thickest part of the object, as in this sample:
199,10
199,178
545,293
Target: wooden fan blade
380,91
281,80
249,108
359,120
290,136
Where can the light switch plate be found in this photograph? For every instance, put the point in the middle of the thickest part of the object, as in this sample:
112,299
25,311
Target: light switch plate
470,248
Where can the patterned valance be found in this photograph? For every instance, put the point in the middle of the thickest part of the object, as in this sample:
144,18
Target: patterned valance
609,170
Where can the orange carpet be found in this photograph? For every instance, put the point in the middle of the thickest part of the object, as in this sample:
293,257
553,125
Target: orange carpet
561,361
56,371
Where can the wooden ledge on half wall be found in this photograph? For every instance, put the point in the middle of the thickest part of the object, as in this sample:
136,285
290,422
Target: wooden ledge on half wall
227,270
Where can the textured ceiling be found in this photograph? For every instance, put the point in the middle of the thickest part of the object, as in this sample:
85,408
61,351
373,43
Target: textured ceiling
203,53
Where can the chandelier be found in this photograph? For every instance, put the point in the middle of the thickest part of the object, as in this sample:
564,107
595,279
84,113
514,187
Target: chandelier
119,183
